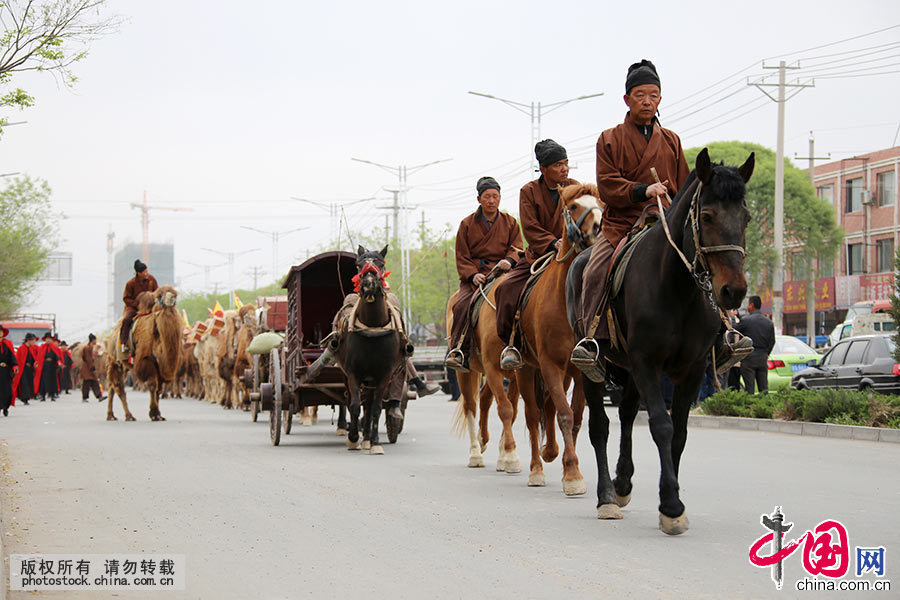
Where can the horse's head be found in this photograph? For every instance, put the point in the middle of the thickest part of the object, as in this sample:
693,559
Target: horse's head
364,257
166,296
371,282
582,213
720,218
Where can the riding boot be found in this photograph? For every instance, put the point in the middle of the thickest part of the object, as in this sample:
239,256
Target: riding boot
731,347
510,359
394,411
588,356
457,361
424,389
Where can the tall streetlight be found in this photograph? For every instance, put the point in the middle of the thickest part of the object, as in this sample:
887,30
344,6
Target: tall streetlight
333,211
402,172
535,111
275,236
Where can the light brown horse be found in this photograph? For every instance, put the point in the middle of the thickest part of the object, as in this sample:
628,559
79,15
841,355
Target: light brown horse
485,359
548,342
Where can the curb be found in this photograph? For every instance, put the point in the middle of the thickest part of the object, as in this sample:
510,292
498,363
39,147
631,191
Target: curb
827,430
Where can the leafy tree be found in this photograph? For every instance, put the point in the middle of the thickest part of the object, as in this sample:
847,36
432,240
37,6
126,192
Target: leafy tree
195,304
28,227
809,220
48,35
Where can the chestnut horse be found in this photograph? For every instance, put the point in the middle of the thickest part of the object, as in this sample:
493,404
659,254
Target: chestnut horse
669,315
549,340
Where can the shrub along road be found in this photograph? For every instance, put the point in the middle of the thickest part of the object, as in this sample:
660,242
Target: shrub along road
310,519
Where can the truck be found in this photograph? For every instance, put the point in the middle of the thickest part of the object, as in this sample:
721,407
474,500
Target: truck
20,324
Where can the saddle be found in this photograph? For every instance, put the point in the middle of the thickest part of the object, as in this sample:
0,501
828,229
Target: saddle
537,269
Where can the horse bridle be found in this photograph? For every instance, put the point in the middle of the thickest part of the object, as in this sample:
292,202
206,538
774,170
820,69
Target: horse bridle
573,231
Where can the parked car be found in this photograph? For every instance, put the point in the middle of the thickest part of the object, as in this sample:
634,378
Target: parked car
789,355
857,363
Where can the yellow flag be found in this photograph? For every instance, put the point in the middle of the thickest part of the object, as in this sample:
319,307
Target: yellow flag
184,316
217,309
237,301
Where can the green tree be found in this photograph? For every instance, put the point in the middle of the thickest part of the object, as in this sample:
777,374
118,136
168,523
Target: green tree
809,220
196,303
49,35
28,226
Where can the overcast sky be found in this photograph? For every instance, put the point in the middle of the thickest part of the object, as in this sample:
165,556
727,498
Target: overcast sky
233,108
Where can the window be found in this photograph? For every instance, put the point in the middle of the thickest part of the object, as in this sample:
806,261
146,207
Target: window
798,267
886,190
826,267
854,195
59,269
826,192
854,259
885,250
855,353
836,356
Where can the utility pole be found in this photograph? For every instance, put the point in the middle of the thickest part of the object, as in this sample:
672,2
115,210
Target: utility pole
811,274
387,235
110,278
229,258
145,224
401,203
207,269
778,276
333,213
276,235
395,208
255,272
535,111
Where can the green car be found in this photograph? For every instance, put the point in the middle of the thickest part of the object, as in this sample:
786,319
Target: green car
789,356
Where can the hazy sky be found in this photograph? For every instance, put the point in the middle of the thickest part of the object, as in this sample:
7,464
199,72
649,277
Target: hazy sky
233,108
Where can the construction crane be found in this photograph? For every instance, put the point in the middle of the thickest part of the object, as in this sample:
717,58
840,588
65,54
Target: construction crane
145,224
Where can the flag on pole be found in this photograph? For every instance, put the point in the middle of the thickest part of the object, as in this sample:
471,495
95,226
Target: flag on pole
217,309
237,301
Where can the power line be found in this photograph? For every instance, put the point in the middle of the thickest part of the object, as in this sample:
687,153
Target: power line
828,45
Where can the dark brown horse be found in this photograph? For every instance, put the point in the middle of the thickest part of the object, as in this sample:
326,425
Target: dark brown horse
669,318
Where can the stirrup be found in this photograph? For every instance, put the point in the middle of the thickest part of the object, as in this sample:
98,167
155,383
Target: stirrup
510,359
591,365
732,351
456,360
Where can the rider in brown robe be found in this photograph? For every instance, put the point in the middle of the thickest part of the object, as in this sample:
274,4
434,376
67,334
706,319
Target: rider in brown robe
541,225
625,155
486,239
142,281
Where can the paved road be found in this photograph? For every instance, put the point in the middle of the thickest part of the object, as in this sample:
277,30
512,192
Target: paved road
309,519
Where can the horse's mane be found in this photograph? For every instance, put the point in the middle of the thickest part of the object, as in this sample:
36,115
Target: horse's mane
726,184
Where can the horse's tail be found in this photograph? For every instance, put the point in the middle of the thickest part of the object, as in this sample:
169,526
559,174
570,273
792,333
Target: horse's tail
458,422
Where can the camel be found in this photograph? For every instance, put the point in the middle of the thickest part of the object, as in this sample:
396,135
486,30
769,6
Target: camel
242,360
205,351
225,358
157,339
548,341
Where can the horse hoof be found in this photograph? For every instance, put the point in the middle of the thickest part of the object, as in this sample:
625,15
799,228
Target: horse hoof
576,487
307,422
111,418
352,445
501,465
537,479
366,445
129,418
340,431
513,466
314,421
476,462
674,526
609,511
483,447
375,450
623,501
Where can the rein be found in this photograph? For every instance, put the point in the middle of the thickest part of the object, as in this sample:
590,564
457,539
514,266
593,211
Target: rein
699,270
574,233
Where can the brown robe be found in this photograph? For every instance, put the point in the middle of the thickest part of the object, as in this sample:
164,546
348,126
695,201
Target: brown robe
624,159
541,222
478,248
141,282
88,367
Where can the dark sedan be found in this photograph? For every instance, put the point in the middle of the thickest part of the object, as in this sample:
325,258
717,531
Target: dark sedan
857,363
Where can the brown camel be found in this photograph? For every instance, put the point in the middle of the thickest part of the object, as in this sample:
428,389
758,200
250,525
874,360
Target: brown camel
242,360
156,355
548,342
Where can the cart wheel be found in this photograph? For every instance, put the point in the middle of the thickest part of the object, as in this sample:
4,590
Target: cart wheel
288,418
394,427
275,413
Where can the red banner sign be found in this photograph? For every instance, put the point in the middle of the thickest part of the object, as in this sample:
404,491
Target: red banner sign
879,286
795,295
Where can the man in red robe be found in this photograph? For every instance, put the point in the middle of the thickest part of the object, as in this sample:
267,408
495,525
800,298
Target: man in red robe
23,384
8,368
47,361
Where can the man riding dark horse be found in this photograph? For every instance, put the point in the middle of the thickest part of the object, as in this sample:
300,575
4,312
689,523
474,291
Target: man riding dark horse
486,240
625,155
541,224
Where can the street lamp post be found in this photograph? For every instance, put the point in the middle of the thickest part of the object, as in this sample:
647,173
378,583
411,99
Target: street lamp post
535,111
